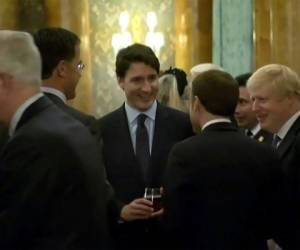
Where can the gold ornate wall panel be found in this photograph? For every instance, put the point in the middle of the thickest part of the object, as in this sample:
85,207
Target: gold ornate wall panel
261,33
276,32
9,14
31,15
104,20
96,20
74,15
193,32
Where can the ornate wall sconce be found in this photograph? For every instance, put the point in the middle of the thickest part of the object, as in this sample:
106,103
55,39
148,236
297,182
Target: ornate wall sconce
153,39
124,38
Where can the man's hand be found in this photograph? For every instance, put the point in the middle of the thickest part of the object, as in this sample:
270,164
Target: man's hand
157,213
138,209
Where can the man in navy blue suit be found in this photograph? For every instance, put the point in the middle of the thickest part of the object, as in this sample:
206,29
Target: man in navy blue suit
137,70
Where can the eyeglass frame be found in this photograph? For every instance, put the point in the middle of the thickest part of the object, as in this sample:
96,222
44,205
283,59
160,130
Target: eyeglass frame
80,66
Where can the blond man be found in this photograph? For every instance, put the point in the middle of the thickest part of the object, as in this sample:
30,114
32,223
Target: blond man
275,91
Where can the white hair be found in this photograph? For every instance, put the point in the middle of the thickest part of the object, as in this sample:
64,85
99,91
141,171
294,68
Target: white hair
20,57
203,67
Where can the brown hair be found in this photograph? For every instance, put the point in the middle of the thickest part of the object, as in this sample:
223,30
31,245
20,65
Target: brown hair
218,92
136,53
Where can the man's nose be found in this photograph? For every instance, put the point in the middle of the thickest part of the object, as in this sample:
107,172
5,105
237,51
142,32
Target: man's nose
255,106
147,86
237,109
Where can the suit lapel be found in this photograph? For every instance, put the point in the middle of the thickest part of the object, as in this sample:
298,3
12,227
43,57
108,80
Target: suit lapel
124,130
122,133
263,136
289,138
159,132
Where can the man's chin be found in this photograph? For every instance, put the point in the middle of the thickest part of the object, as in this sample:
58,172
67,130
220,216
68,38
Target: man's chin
145,106
263,125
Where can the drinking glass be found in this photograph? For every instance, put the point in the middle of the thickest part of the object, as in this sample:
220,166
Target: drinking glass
154,195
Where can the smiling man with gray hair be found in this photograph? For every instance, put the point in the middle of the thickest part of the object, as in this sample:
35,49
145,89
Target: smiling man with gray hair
52,189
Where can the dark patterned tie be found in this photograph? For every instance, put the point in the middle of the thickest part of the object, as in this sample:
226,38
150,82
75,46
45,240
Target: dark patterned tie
249,133
276,140
142,143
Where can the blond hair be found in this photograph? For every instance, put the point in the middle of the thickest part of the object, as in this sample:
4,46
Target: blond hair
284,80
168,93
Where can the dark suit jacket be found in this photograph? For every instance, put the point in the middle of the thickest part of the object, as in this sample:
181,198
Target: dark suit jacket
260,136
263,136
289,153
222,191
52,188
89,121
122,168
3,135
85,119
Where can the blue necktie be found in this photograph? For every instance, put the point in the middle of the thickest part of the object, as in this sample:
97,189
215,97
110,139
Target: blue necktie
142,150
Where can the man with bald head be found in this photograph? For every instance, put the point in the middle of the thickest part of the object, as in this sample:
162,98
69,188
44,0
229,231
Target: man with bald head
203,67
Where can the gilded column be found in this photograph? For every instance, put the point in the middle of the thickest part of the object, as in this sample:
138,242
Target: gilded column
277,33
262,32
74,15
9,14
193,24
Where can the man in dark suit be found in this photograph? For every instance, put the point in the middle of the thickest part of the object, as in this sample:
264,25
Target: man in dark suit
135,152
61,69
220,185
246,117
275,90
61,72
3,135
53,193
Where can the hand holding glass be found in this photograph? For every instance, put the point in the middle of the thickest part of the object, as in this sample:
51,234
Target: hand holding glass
154,195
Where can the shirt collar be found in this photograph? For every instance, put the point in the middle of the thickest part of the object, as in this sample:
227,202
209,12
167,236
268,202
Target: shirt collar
20,111
255,129
218,120
132,113
287,125
55,92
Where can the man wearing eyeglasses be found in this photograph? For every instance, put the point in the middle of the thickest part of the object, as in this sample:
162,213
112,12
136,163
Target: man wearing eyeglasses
62,67
61,71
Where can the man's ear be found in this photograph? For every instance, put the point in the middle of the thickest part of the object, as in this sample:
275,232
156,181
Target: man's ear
196,104
121,82
6,82
1,81
61,69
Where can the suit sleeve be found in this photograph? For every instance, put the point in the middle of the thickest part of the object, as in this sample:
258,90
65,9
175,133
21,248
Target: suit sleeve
39,199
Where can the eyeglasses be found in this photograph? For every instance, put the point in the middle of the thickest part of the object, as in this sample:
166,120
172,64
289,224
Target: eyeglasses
80,66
